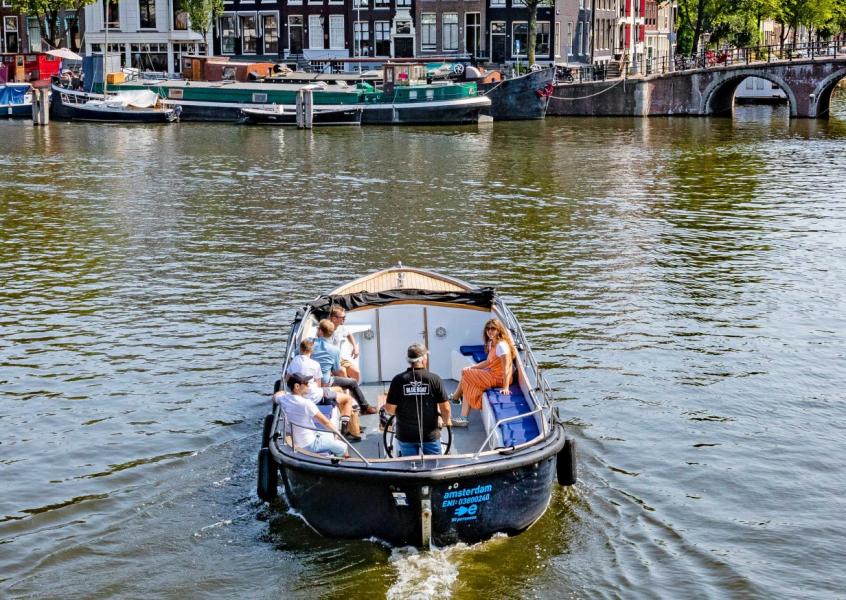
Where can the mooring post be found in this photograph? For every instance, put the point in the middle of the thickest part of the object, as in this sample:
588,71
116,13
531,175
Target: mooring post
309,108
40,106
300,110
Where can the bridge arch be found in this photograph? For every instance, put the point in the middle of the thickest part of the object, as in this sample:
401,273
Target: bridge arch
718,98
823,92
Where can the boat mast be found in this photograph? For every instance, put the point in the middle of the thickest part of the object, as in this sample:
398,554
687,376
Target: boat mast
106,48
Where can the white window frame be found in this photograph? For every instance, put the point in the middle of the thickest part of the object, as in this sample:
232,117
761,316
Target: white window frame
255,28
497,3
523,51
451,23
339,33
289,27
315,29
262,15
380,29
234,17
382,4
468,27
432,45
359,29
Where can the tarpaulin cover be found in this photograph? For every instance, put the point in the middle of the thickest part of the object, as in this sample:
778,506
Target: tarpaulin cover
482,297
13,94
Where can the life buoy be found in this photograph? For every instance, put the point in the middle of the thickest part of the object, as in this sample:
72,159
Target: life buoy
566,463
268,476
265,432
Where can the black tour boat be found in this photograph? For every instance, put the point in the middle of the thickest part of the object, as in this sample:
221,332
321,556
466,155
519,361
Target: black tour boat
279,115
497,475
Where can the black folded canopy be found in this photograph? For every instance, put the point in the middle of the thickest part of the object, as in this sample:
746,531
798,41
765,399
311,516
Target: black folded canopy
481,297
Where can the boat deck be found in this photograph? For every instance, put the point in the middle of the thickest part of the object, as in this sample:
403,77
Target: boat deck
466,440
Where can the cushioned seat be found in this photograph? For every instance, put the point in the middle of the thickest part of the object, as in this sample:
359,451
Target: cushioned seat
504,406
477,353
326,409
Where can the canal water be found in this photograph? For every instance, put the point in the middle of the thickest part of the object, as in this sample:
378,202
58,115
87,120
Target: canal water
681,280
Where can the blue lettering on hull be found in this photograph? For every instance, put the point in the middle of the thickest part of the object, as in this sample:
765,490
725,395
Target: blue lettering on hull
467,501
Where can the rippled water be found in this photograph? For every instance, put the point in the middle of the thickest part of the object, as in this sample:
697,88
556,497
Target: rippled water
680,279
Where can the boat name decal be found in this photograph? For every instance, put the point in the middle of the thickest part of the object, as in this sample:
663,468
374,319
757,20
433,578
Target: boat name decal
467,501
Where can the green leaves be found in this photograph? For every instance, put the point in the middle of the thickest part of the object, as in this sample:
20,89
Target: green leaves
202,13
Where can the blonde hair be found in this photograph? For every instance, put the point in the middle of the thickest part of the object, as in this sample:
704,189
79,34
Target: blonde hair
504,335
326,327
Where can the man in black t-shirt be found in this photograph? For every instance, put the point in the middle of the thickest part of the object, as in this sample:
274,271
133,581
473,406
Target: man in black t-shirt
415,397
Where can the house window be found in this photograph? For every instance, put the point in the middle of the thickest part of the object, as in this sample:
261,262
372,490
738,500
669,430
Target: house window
519,38
403,2
270,30
360,3
315,32
429,37
249,35
403,27
497,3
569,39
542,39
227,34
71,33
557,39
34,32
361,35
472,33
450,31
180,21
518,2
336,32
147,13
111,13
382,32
381,3
579,37
148,57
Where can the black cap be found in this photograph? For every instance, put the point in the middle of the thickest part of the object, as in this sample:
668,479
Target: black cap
416,352
298,378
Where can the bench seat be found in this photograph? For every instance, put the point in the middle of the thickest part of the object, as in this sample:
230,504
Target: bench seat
503,406
477,353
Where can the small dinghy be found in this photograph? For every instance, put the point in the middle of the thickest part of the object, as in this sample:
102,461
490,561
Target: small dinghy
278,115
495,476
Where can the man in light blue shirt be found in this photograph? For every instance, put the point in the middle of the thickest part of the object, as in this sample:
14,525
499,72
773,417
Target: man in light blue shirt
329,357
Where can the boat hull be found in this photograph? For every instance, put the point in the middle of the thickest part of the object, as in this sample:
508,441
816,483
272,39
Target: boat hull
521,98
16,111
468,504
351,116
462,112
67,111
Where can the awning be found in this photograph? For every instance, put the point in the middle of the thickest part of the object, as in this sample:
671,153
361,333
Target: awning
482,298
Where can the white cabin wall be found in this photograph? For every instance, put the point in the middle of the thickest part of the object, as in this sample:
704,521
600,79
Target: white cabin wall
396,327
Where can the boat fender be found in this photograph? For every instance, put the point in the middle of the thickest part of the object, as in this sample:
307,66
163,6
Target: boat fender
265,432
268,476
566,463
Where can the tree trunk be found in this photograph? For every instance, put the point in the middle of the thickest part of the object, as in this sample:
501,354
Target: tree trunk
533,33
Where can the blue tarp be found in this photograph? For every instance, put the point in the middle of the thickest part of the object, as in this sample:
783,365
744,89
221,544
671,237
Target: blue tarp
12,94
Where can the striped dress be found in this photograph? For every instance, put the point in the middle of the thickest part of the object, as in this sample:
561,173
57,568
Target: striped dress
474,382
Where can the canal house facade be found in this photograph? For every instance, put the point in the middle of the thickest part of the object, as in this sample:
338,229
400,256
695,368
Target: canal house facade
150,35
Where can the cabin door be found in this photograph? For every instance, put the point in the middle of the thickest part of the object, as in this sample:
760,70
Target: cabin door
398,328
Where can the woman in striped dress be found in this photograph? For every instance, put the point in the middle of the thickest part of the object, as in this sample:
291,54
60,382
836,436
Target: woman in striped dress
495,371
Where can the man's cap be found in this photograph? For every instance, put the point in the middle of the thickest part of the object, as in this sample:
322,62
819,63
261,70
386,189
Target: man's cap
298,378
416,352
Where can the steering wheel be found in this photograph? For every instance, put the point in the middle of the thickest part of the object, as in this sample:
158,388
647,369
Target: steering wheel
388,438
458,68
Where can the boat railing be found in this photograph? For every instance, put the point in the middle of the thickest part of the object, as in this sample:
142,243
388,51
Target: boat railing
541,384
495,428
315,429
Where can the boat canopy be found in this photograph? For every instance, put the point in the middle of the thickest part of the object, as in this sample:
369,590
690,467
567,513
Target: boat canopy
479,298
13,94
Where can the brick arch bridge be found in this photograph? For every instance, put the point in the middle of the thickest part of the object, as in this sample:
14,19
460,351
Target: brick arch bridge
808,84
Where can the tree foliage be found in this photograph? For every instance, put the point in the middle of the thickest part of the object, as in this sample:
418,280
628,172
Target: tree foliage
532,7
49,13
202,13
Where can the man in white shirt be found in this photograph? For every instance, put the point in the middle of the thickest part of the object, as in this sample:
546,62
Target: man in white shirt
346,342
302,415
303,364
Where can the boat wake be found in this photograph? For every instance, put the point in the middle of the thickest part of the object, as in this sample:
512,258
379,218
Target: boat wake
422,575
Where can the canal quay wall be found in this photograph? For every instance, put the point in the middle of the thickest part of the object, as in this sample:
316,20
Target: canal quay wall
807,84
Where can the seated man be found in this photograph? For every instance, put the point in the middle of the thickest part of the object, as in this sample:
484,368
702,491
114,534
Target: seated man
302,414
346,342
416,396
329,357
303,364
